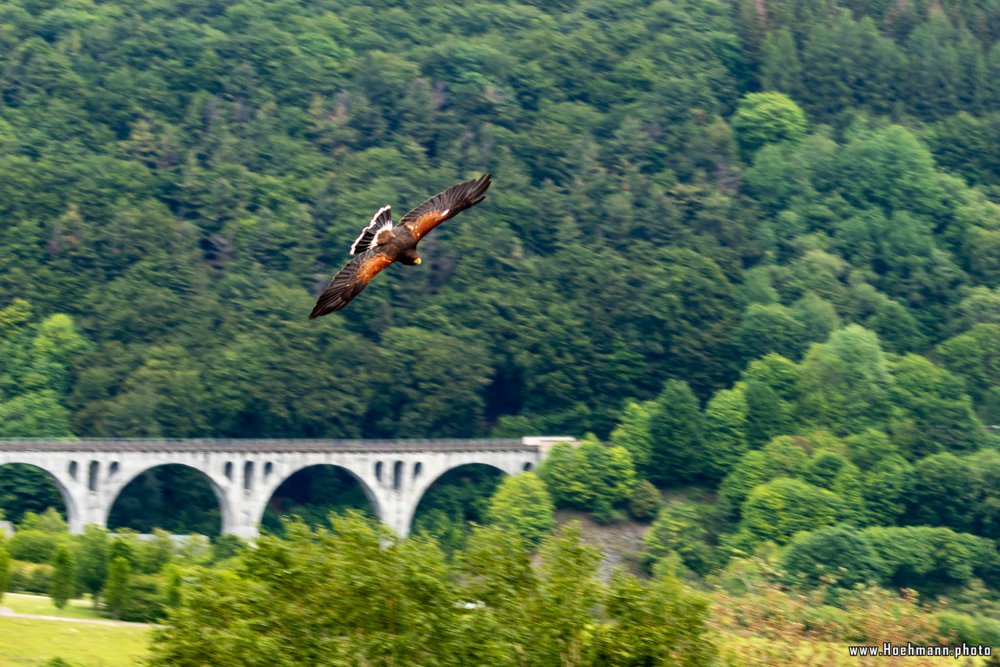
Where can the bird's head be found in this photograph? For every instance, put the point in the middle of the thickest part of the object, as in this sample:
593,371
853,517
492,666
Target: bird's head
409,256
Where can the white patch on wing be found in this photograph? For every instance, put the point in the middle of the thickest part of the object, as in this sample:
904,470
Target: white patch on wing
378,224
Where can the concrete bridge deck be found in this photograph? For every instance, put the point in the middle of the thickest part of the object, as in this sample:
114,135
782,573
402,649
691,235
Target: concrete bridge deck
270,445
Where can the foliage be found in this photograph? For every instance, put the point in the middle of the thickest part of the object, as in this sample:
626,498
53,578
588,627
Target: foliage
144,602
590,477
764,118
677,433
801,315
836,555
177,184
522,505
63,577
117,587
25,489
658,622
380,598
5,568
225,547
972,630
680,529
777,626
311,494
931,558
939,413
632,433
845,382
783,456
645,501
457,499
174,498
30,577
784,506
50,521
725,432
35,546
941,492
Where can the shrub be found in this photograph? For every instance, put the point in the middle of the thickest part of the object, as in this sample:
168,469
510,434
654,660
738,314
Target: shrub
522,506
929,558
679,529
838,555
782,507
28,577
34,545
225,546
63,577
4,569
144,603
764,118
591,477
645,502
972,630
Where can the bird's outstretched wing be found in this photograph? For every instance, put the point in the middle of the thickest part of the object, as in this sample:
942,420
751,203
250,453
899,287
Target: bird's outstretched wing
381,221
445,205
350,281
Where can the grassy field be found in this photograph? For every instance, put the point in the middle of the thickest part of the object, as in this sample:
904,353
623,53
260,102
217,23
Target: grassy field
40,605
28,643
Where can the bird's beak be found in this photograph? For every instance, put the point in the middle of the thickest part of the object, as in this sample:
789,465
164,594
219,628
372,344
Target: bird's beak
417,261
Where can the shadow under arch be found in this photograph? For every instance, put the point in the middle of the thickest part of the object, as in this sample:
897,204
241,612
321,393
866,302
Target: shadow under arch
313,491
175,497
453,499
32,500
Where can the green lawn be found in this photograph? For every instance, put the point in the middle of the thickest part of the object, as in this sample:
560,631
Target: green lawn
28,643
40,605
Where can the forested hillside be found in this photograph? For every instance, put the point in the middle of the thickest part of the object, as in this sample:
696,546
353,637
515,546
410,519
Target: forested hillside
748,251
179,180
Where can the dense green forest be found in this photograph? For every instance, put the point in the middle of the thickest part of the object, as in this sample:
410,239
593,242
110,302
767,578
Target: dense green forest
180,180
751,247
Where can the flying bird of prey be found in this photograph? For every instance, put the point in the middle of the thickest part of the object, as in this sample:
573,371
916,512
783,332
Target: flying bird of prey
380,244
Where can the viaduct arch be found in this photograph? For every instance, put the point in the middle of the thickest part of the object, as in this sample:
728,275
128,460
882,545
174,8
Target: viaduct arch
244,474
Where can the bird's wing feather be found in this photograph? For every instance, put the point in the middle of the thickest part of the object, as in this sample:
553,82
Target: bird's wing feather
350,281
445,205
381,221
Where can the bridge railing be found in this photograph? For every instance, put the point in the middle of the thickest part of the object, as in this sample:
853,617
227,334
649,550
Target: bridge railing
532,443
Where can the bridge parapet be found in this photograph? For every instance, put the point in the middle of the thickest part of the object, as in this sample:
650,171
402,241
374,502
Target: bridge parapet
530,443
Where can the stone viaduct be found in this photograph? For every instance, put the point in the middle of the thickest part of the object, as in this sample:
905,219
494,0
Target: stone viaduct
244,474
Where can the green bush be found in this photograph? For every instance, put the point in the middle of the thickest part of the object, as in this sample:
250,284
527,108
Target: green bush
972,630
764,118
645,502
838,555
784,506
225,546
784,456
61,586
590,477
35,546
680,529
930,559
4,568
145,602
28,577
522,506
